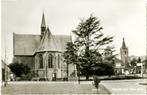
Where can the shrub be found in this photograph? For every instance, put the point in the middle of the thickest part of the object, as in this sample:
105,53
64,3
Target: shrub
19,69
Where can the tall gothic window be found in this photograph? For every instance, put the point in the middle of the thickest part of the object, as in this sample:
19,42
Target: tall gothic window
55,60
40,61
58,61
50,61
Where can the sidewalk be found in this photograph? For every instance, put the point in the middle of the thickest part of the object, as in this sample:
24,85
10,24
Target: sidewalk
126,87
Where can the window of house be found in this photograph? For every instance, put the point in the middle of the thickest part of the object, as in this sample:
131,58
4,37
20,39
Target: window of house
50,61
40,61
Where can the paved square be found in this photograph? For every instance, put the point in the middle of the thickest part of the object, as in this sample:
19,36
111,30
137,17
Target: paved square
15,88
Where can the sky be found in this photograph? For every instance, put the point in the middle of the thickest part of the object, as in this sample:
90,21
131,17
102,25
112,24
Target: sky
119,18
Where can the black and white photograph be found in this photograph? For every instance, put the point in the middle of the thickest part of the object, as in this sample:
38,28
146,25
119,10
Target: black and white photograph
73,47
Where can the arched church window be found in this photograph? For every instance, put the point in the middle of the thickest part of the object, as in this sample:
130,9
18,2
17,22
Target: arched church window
55,60
58,61
50,61
40,61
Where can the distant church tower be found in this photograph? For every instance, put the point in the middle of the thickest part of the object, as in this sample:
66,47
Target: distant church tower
43,26
124,53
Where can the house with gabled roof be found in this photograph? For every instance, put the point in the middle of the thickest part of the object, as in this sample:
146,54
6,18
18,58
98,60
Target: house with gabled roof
42,53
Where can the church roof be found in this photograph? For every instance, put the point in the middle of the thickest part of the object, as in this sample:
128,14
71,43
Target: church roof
123,44
51,42
61,41
24,44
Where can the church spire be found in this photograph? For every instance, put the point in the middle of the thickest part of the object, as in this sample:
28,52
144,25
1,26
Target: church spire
123,44
43,26
43,21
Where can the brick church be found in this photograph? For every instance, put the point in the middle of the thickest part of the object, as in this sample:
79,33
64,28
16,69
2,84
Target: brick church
42,53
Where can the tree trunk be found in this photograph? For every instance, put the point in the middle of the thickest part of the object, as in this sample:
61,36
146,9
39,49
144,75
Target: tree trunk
67,72
87,77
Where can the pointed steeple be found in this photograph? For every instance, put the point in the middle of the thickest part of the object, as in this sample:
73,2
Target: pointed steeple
43,26
123,44
43,21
